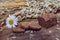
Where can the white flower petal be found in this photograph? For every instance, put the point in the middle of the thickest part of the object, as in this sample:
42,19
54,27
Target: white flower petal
13,25
9,26
11,17
7,19
16,19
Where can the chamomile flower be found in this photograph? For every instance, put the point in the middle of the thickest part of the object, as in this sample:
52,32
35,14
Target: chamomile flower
11,21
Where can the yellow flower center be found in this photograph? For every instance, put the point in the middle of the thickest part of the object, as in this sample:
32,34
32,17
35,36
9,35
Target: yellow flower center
11,22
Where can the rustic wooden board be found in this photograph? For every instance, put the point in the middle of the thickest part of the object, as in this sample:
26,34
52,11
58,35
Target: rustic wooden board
8,5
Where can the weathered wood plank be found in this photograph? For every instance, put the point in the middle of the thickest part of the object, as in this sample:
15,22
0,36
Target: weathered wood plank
14,4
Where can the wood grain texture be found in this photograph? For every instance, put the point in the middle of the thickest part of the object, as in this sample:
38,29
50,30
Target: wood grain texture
13,4
20,0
